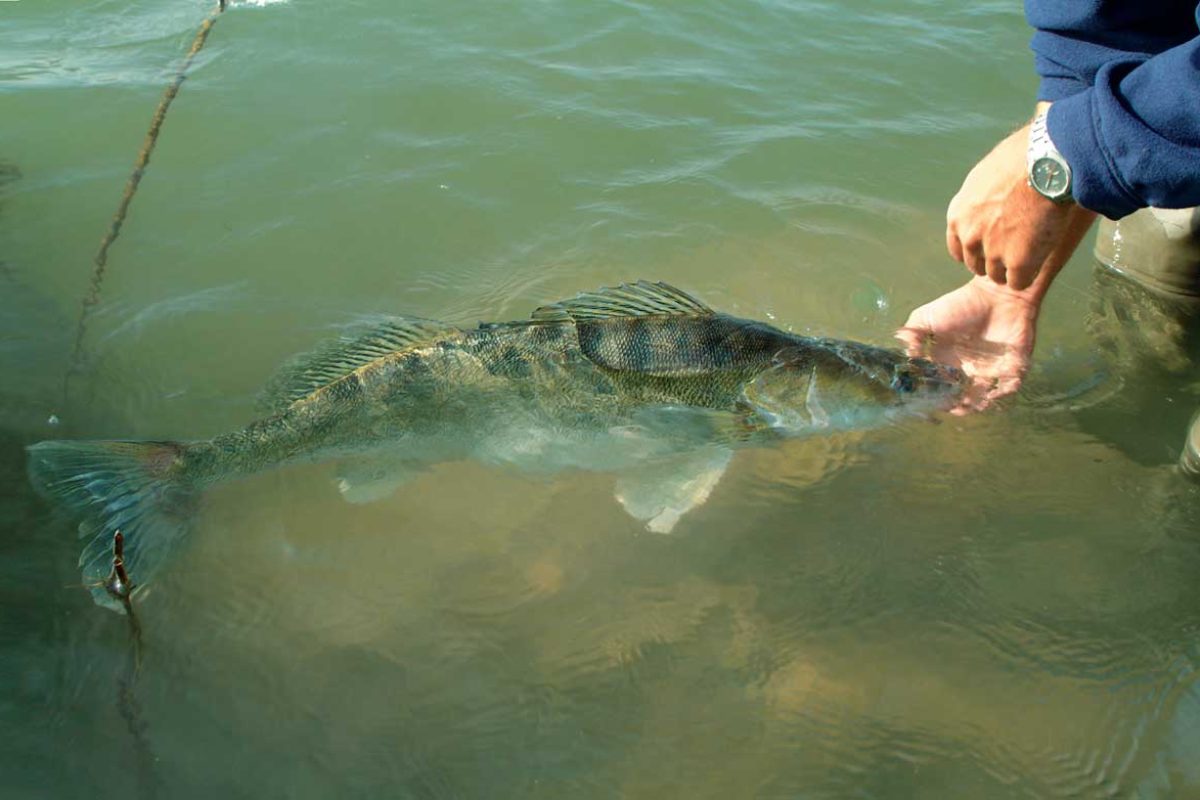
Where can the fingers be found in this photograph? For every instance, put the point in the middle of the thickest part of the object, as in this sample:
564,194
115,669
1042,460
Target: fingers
1016,256
1021,271
954,245
1021,279
983,391
976,259
918,321
974,398
996,270
969,253
1025,267
989,382
916,332
1004,387
913,340
1017,273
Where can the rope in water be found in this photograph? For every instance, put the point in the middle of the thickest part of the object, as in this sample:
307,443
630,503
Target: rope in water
92,297
119,584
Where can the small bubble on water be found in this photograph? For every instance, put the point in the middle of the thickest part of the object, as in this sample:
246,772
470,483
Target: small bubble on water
870,298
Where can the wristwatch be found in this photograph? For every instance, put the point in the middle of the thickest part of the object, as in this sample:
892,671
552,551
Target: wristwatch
1049,173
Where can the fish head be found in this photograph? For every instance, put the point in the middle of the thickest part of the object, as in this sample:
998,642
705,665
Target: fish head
922,381
829,384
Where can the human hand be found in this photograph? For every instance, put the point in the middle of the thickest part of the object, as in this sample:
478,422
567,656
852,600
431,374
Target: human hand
985,329
998,225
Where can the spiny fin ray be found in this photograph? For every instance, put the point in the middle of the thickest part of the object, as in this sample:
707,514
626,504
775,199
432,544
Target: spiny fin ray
308,372
641,299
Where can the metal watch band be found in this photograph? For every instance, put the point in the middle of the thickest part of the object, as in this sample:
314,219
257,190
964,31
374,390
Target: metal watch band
1042,154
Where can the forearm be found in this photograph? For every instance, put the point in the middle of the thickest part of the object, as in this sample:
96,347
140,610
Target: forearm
1080,223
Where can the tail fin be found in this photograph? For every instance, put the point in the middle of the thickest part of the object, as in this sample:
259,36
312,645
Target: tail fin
136,488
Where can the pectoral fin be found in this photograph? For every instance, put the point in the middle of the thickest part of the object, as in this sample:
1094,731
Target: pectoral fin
662,491
366,480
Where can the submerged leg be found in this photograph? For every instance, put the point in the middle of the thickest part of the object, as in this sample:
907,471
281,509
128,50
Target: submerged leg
1149,290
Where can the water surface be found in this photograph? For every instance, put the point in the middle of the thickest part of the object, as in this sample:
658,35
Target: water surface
996,606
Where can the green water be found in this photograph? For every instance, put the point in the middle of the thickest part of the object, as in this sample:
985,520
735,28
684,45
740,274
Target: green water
998,606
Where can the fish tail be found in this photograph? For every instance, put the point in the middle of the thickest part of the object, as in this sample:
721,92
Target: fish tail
136,488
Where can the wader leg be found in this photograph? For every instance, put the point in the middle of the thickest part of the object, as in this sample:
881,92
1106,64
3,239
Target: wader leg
1159,251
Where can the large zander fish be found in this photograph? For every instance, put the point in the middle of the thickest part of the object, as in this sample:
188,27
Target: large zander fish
640,378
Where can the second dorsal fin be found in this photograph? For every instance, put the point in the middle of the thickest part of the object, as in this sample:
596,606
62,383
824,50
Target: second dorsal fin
308,372
641,299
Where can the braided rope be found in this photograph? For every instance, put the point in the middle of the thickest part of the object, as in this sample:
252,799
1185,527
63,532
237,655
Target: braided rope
91,298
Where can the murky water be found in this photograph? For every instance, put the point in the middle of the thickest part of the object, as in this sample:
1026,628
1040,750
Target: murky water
996,606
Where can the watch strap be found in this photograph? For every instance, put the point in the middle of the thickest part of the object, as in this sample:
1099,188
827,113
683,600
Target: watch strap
1041,146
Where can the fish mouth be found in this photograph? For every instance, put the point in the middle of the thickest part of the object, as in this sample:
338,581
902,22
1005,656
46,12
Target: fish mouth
920,376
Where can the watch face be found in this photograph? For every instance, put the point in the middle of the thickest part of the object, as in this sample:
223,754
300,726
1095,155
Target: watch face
1050,177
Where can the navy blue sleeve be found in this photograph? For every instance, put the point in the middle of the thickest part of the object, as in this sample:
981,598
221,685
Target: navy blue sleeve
1124,78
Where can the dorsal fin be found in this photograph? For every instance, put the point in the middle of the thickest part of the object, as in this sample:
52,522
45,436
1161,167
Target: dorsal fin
641,299
308,372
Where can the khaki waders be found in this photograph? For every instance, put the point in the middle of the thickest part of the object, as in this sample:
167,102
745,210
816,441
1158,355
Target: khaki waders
1159,251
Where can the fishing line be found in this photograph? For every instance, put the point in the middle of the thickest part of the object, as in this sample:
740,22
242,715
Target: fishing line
91,297
119,584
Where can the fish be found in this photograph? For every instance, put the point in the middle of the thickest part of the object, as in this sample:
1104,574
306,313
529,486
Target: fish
640,379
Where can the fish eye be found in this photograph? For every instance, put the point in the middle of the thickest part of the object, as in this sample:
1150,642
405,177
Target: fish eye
903,382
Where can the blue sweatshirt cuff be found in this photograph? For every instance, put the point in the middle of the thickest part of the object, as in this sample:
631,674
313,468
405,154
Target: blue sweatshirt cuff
1074,124
1123,77
1133,138
1054,89
1057,81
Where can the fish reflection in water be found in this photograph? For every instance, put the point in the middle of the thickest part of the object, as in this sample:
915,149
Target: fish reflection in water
640,379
